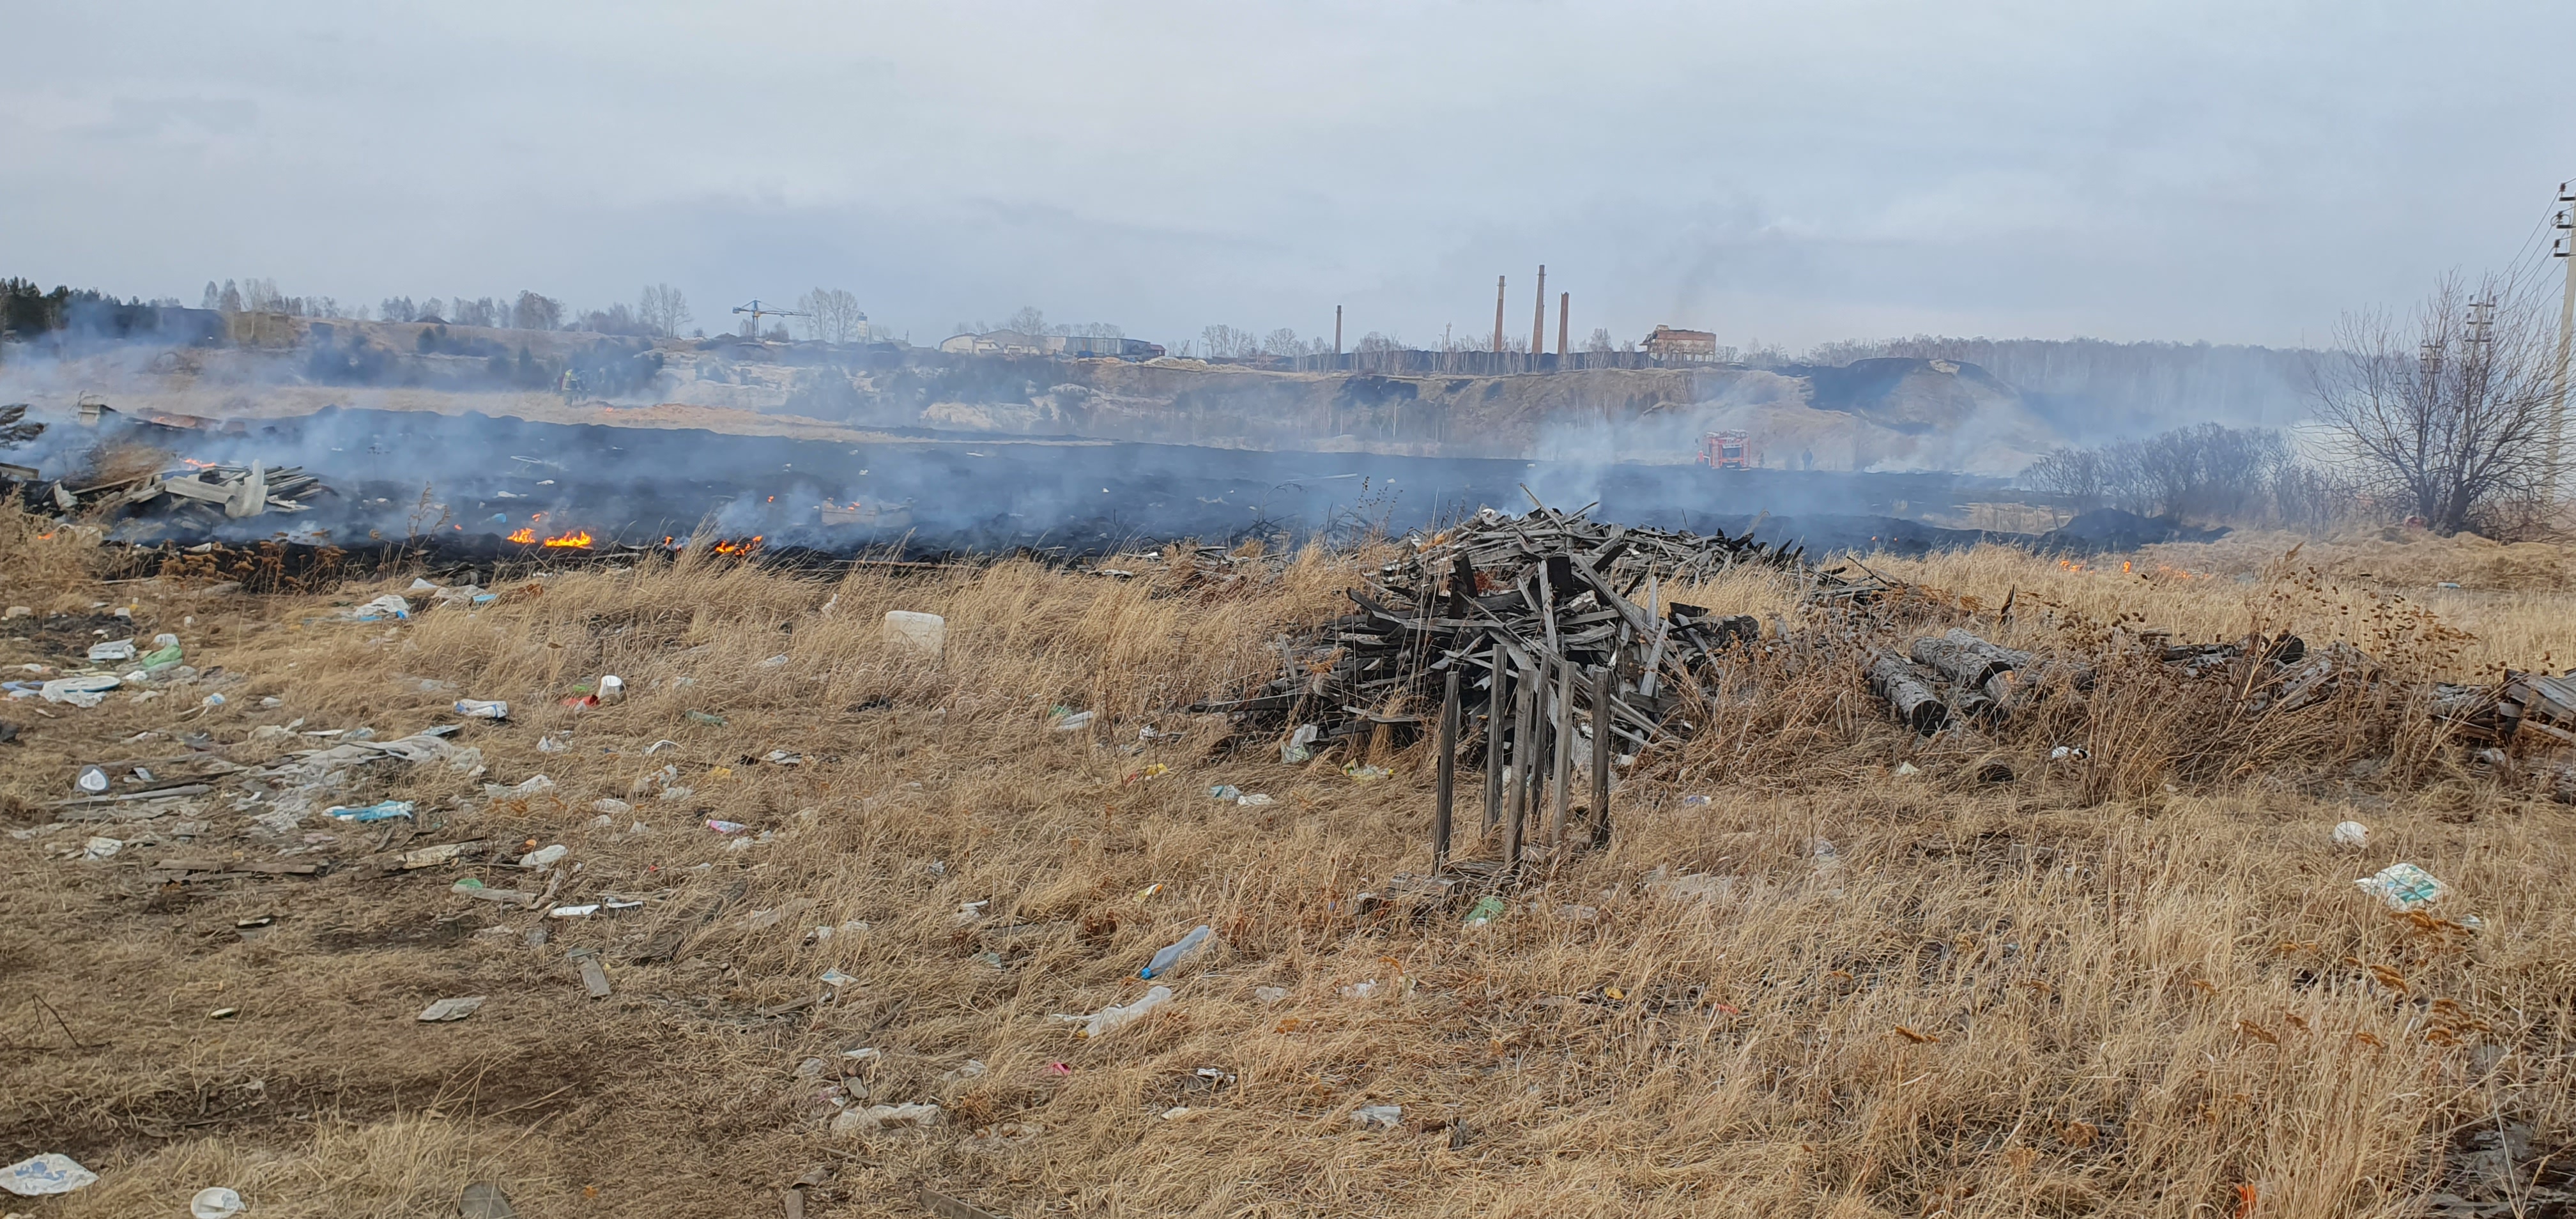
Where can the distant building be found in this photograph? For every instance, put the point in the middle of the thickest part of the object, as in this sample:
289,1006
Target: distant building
1014,343
1667,343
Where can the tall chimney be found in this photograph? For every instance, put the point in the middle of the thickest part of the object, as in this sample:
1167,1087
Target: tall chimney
1337,330
1564,309
1498,315
1538,318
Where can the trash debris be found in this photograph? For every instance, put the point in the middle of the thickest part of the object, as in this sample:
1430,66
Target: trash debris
581,911
1694,802
216,1202
1073,721
85,691
117,649
611,807
2351,834
659,746
834,978
391,605
50,1173
1176,1113
705,718
2404,887
484,1200
594,976
545,857
450,1009
1169,958
1907,770
1486,910
1269,994
101,848
1365,774
547,744
1254,800
727,827
885,1117
612,688
1226,792
483,708
1299,748
1377,1117
92,780
383,810
2068,753
925,634
1114,1017
1360,990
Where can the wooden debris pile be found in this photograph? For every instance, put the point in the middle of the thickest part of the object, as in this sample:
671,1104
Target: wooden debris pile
195,494
1544,637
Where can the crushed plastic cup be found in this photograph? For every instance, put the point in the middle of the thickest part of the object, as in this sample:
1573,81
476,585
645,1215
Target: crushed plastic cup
1170,958
612,688
2351,834
92,780
2404,887
483,708
215,1203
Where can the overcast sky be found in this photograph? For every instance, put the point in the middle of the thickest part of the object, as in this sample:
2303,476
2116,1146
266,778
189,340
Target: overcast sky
2236,172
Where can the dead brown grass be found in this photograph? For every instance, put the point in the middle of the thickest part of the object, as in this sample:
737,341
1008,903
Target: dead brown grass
2044,996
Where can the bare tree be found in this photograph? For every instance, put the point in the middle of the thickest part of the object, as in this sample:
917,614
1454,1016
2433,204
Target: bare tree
1029,320
536,312
1600,341
661,308
832,316
2443,413
1222,342
1282,342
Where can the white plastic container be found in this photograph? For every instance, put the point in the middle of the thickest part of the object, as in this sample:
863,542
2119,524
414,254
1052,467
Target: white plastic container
925,634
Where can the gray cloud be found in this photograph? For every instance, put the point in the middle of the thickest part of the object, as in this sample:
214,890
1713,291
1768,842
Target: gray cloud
2186,170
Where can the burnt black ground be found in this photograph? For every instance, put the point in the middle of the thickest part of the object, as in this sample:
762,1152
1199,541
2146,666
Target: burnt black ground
400,474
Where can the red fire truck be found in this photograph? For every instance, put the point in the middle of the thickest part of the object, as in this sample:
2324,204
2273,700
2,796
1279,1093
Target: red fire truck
1729,451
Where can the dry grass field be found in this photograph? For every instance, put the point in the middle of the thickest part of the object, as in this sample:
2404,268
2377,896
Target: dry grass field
1797,982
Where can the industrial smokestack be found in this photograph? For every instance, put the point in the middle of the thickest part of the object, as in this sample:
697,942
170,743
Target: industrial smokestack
1337,330
1538,318
1564,309
1498,315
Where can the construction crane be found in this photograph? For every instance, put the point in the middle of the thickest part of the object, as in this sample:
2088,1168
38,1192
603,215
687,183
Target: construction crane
759,311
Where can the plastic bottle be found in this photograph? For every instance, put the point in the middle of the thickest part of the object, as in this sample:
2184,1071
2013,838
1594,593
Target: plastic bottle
1112,1018
1168,958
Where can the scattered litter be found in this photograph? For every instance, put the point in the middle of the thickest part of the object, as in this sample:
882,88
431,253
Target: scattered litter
701,717
582,911
1361,990
2404,887
484,1200
2447,584
1299,747
383,810
1826,855
215,1203
1377,1117
92,780
101,848
450,1009
925,634
611,807
1486,910
1365,774
546,857
1150,891
1170,957
1694,802
659,746
1074,721
2351,834
483,708
1176,1113
391,605
1269,994
120,649
1255,800
548,744
533,785
885,1117
1223,791
612,688
50,1173
1907,770
969,1069
835,978
727,827
1114,1017
223,1013
775,662
2068,753
88,691
594,976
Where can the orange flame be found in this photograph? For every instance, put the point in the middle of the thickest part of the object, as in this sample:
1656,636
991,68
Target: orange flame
578,539
740,548
524,536
194,464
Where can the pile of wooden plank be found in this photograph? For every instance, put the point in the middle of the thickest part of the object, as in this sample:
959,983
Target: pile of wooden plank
210,494
1544,638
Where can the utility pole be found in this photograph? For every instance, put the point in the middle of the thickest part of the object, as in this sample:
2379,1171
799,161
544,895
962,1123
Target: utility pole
2563,247
1498,315
1538,318
1564,310
1337,330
